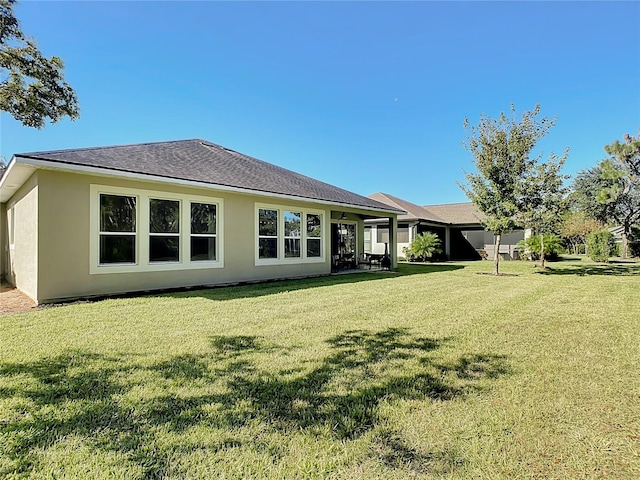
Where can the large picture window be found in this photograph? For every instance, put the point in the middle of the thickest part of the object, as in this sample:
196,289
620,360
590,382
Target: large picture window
203,232
117,229
164,230
146,231
288,235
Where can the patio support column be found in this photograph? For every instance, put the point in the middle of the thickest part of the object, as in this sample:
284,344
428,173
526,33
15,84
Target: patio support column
393,242
447,242
4,241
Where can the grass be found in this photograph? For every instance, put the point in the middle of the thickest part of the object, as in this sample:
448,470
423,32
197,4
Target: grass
434,372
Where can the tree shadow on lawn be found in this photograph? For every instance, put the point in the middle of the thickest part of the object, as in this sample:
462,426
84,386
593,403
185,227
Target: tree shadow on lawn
272,287
95,398
613,269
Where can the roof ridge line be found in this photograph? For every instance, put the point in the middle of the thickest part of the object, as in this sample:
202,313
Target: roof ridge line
104,147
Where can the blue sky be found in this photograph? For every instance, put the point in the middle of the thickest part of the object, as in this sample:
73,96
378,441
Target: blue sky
368,96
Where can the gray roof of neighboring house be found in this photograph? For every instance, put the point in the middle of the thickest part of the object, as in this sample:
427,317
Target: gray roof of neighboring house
457,213
414,212
449,213
205,162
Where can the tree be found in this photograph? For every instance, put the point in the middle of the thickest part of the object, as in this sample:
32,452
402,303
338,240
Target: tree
584,195
621,174
575,226
423,246
32,86
501,149
546,199
600,245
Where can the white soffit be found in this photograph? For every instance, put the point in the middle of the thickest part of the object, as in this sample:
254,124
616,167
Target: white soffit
15,176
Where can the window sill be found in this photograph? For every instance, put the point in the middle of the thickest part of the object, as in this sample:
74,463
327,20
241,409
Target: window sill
155,267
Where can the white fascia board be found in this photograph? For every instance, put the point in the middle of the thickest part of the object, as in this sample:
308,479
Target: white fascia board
105,172
13,178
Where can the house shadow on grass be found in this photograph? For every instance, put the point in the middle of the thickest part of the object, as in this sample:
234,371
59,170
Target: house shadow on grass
228,393
272,287
613,269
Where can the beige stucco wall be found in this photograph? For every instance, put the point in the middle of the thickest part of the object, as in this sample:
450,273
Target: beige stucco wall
4,245
64,241
21,267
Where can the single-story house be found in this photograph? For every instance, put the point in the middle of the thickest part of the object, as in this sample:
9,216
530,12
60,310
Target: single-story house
458,225
109,220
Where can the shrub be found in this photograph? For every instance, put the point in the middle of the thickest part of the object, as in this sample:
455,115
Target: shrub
552,247
600,245
423,247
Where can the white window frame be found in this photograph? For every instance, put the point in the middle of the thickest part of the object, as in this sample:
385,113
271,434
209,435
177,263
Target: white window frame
308,237
143,235
203,235
133,234
279,248
293,237
281,259
161,234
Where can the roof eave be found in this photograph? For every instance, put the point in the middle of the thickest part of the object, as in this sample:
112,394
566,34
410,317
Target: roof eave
15,175
35,163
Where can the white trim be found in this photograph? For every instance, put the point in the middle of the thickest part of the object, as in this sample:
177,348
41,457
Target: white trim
11,226
142,263
282,260
192,183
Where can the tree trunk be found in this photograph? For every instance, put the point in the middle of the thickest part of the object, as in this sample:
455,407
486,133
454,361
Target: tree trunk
541,250
625,244
496,255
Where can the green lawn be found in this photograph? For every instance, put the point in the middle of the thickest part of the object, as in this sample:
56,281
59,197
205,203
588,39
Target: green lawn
433,372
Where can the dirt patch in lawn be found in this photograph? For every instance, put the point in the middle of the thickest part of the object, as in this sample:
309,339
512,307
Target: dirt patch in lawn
13,300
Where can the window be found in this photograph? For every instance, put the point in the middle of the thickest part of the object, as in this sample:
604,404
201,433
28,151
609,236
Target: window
267,233
314,235
164,230
117,229
147,231
288,235
403,233
383,234
367,238
203,232
292,234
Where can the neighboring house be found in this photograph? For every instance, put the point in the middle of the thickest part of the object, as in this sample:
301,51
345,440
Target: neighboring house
458,225
108,220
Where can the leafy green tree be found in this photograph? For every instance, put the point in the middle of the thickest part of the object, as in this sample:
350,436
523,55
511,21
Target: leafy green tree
621,193
424,246
32,86
584,195
575,226
546,200
600,245
502,155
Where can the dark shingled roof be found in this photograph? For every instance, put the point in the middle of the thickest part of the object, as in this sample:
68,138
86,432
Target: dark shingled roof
449,213
205,162
457,213
414,212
